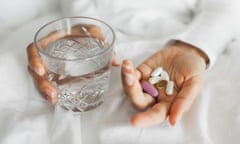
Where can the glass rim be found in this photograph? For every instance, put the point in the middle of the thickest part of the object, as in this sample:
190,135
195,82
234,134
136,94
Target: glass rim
109,47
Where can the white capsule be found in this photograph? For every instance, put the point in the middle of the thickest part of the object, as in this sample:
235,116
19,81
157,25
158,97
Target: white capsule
170,88
154,80
165,76
157,72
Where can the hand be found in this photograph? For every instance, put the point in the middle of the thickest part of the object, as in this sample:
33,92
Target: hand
38,68
185,65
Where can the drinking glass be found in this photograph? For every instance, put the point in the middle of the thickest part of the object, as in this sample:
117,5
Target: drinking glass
77,52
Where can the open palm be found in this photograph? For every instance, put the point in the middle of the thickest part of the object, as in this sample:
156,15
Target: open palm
185,65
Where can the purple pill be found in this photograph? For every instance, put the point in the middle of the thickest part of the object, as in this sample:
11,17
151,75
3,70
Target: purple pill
150,89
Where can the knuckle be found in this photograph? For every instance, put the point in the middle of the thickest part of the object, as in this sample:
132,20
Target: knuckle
43,84
142,66
30,47
140,105
34,63
145,70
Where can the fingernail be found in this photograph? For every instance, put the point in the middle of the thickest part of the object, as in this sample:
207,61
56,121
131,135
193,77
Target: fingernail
49,99
129,79
39,70
127,68
52,100
50,95
116,62
174,121
116,58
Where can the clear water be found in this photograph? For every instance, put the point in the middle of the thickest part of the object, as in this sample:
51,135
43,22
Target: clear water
81,85
75,47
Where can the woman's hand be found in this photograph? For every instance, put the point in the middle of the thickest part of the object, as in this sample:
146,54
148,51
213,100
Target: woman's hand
38,68
185,65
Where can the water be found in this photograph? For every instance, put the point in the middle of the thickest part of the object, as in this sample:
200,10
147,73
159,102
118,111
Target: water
81,93
81,84
75,47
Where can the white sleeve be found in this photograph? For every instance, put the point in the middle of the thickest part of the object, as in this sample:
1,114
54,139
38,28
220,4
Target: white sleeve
214,26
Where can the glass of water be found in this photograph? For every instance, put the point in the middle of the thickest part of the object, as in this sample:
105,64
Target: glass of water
77,52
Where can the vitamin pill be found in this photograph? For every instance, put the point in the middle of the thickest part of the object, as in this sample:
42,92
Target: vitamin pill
165,76
161,84
157,72
150,89
154,80
170,88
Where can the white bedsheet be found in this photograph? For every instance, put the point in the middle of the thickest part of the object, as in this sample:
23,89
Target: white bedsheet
26,118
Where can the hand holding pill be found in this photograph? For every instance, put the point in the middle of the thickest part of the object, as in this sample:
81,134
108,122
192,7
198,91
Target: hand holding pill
165,85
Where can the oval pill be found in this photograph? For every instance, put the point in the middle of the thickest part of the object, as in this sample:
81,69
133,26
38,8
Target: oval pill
150,89
169,88
157,72
154,80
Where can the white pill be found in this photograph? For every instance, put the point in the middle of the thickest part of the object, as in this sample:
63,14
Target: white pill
154,80
165,76
157,72
170,88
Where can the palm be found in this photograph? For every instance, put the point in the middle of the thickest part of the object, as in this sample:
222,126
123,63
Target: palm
186,69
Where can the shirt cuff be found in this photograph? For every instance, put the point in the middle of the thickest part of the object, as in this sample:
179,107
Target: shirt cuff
200,46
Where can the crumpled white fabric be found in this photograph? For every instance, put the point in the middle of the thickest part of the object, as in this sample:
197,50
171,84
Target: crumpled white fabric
14,13
26,118
148,19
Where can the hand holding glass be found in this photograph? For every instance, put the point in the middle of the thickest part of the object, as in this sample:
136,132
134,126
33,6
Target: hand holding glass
77,52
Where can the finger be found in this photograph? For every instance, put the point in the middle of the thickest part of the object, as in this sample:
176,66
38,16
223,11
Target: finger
44,87
88,30
133,88
115,61
138,74
185,98
48,39
149,65
156,115
34,60
96,32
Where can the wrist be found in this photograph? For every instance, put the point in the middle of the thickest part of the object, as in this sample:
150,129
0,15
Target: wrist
192,49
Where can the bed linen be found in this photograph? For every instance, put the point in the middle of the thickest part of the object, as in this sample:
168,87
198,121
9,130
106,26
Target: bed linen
26,118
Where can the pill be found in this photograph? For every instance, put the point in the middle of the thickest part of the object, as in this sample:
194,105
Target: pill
150,89
165,76
169,88
161,84
154,80
157,72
